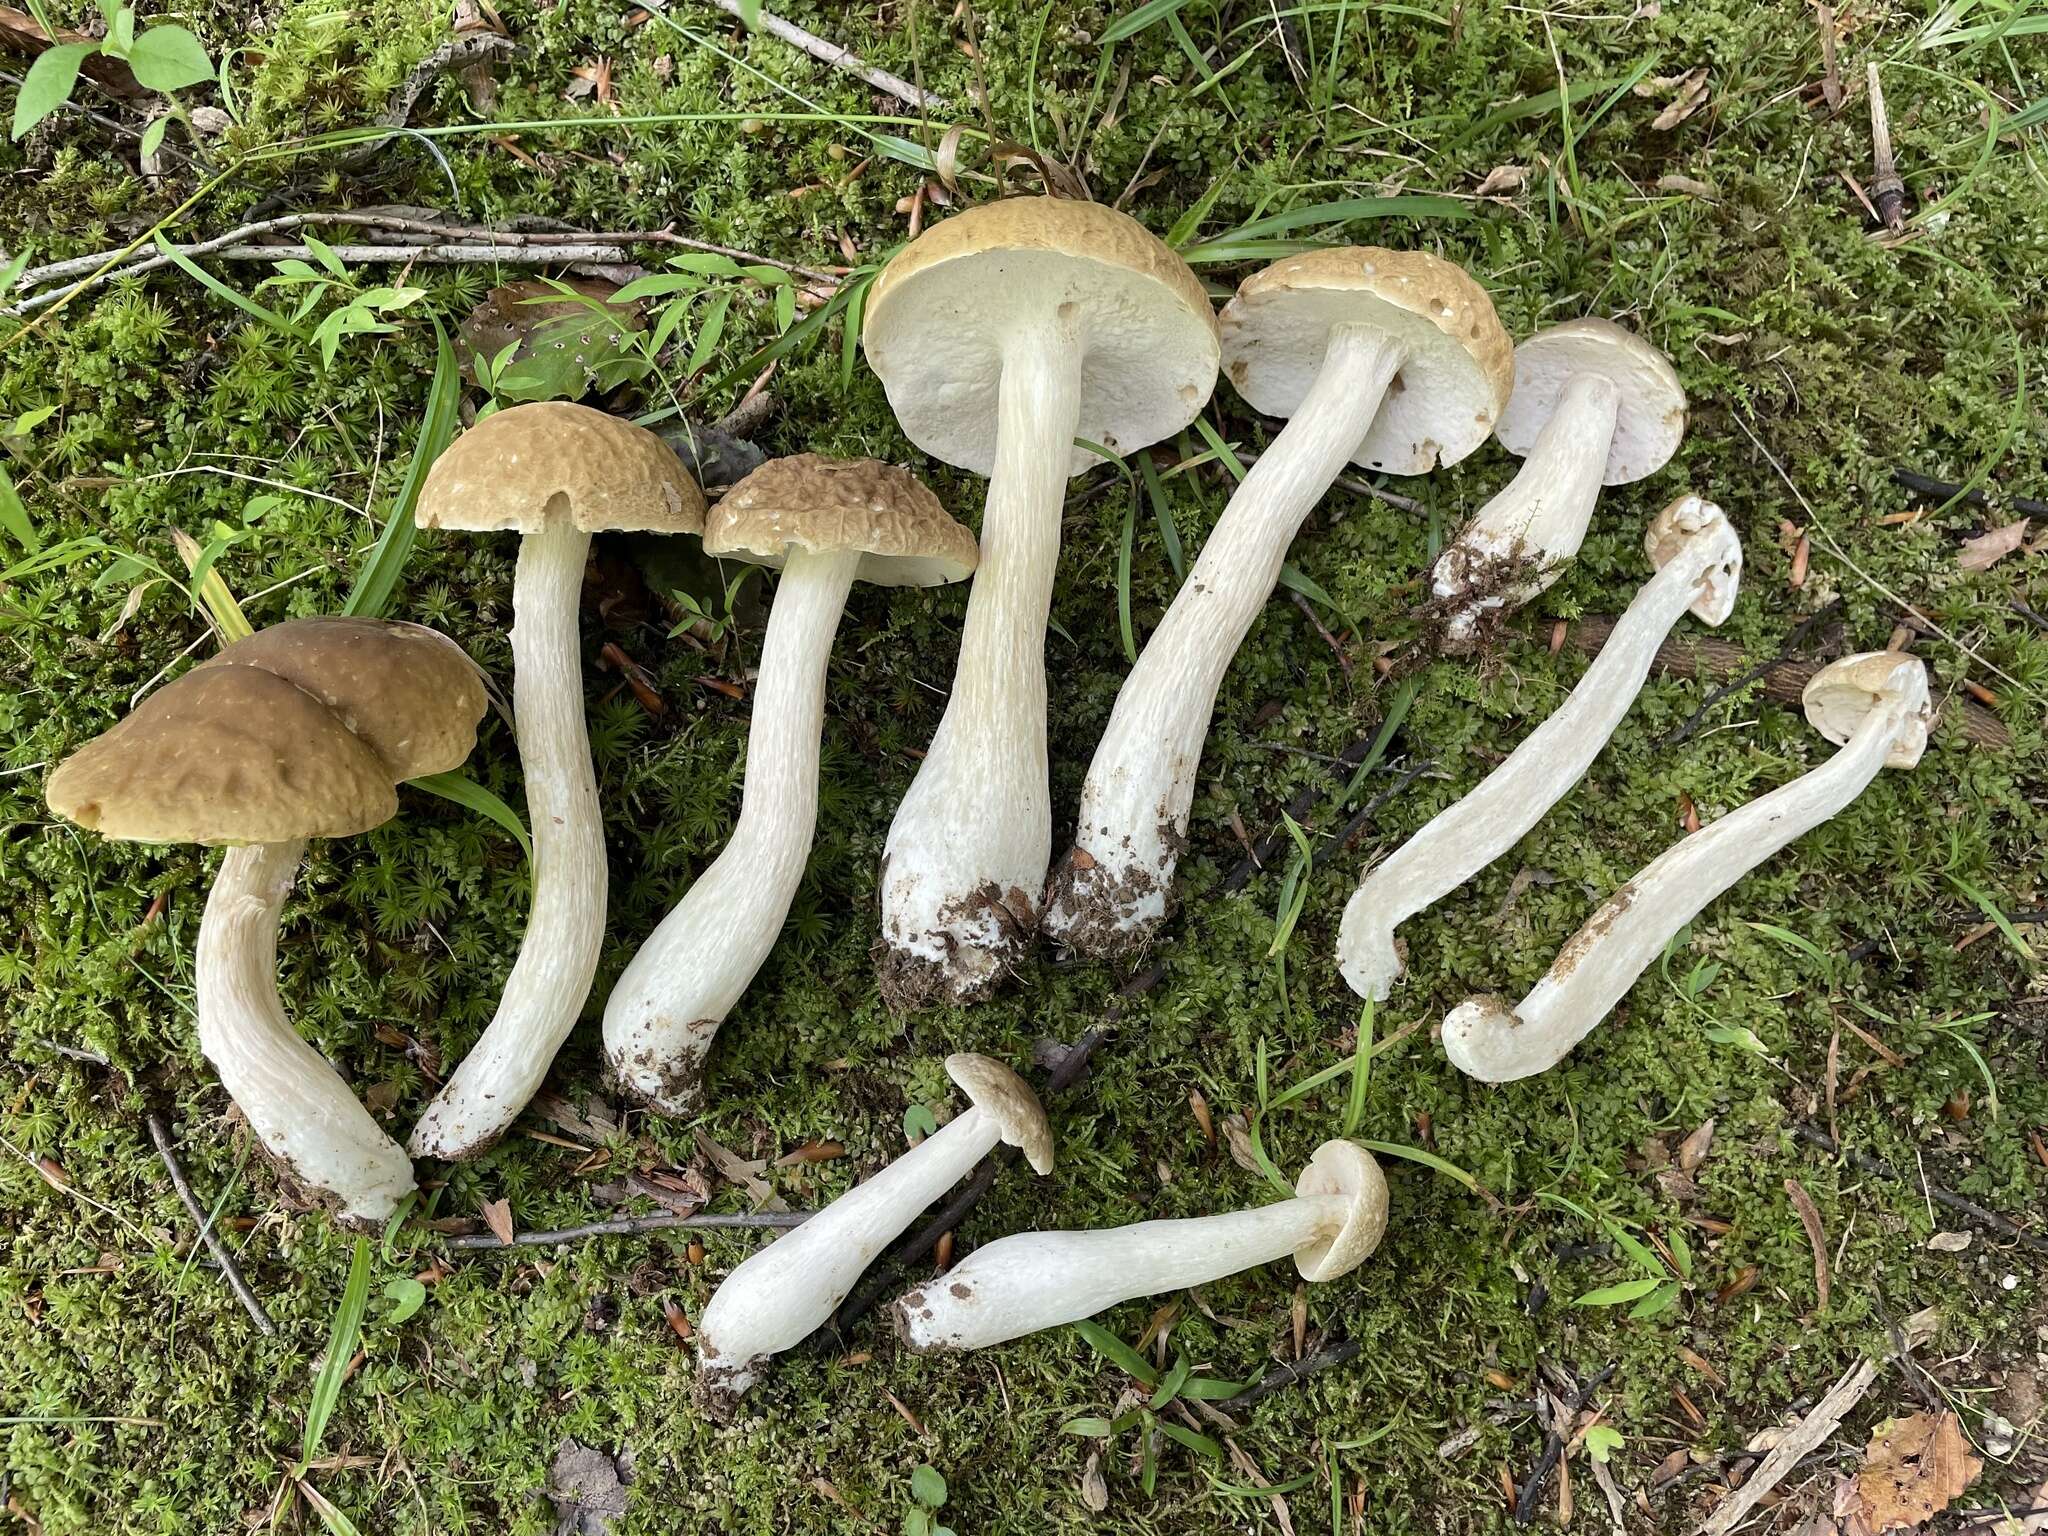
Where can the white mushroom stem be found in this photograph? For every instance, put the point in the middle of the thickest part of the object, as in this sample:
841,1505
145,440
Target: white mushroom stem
666,1008
1115,889
788,1290
1035,1280
1518,544
302,1112
558,955
1513,798
1487,1039
965,860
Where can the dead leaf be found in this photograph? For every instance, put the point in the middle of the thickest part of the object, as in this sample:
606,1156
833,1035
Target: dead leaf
1238,1135
1809,1218
1503,178
1949,1242
1094,1486
1670,1467
1673,182
746,1174
811,1152
1915,1468
498,1217
1987,549
1694,1149
1689,97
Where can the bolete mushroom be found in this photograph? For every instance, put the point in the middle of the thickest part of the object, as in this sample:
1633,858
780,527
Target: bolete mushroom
555,474
1033,1280
1875,705
1593,405
791,1287
298,731
826,522
1393,360
1699,564
1002,336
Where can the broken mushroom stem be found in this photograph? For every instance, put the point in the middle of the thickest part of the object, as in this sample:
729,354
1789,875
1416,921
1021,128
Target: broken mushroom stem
1699,564
1036,1280
1876,705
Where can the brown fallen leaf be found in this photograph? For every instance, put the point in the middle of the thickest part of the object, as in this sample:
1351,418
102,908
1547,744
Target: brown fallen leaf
498,1217
812,1152
1670,1467
743,1172
1094,1486
1915,1468
1690,186
1694,1149
1987,549
1503,178
1809,1218
1238,1136
1743,1283
1688,97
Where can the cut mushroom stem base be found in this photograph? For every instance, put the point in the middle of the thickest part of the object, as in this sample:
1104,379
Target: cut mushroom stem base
965,859
303,1114
1114,889
558,956
663,1014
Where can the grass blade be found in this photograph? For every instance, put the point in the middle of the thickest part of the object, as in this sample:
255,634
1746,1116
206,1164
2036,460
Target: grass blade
1117,1353
221,290
341,1348
377,581
470,795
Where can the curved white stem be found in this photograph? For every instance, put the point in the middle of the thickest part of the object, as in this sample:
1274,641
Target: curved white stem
964,864
1115,889
1033,1280
663,1014
1518,544
302,1112
558,956
788,1289
1488,1040
1513,798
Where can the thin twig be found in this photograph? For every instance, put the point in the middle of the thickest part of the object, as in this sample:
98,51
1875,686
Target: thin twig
1334,1351
1886,189
1786,652
838,55
1947,490
1553,1447
159,1134
1332,846
1961,1204
1263,850
629,1226
455,53
1807,1435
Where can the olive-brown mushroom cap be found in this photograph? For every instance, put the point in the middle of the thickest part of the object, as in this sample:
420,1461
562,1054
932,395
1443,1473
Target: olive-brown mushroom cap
998,1092
1651,421
1450,390
521,467
1842,693
830,506
1345,1169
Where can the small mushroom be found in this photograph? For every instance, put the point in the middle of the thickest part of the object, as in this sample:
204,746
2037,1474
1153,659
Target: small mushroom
826,522
788,1289
1593,405
298,731
555,473
1034,1280
1699,563
1389,359
1002,336
1875,705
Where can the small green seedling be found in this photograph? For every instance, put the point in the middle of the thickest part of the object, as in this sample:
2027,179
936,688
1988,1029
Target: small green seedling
928,1490
166,59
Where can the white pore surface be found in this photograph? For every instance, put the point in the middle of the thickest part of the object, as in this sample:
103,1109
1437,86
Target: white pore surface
297,1104
1652,415
787,1290
663,1014
558,955
1510,801
1034,1280
1601,962
1134,805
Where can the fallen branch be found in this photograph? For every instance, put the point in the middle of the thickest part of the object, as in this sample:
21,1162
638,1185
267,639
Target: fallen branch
1961,1204
629,1226
1334,1351
838,55
1808,1435
159,1134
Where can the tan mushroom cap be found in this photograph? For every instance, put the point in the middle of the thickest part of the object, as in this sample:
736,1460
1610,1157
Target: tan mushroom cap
1651,423
1843,693
937,318
997,1091
828,506
1684,522
1453,385
1345,1169
518,468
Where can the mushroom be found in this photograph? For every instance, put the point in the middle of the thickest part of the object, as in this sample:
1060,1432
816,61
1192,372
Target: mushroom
298,731
1593,405
1874,705
555,473
1004,335
791,1287
1389,359
826,522
1699,564
1033,1280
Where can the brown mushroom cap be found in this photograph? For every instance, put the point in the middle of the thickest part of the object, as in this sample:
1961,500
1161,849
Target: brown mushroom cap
520,467
997,1091
1450,391
842,505
1346,1169
937,316
1651,421
1844,692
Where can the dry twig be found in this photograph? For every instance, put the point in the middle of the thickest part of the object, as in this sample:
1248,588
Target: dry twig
159,1134
838,55
629,1226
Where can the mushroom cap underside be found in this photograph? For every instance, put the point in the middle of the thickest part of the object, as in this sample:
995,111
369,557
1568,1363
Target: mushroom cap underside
1650,421
820,505
1348,1171
1684,523
1842,694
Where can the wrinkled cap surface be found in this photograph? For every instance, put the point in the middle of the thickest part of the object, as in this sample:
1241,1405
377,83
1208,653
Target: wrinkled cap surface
1842,695
826,505
519,468
1452,385
998,1092
1693,522
1348,1171
939,314
1651,419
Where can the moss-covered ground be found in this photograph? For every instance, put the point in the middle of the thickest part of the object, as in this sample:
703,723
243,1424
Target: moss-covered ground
135,1394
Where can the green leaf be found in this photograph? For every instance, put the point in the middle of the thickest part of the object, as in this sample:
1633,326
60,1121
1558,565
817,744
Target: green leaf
322,253
1739,1035
153,135
341,1348
928,1487
169,59
47,86
709,334
1162,514
1361,1071
377,581
1208,1391
1117,1352
14,517
1444,1166
1602,1441
1645,1257
1093,1428
219,289
1186,226
406,1296
470,795
1792,940
1131,23
1176,1378
1200,1444
1682,1252
1657,1301
11,274
917,1522
919,1122
1615,1295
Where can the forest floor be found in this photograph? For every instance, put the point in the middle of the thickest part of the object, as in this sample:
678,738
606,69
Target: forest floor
1695,170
